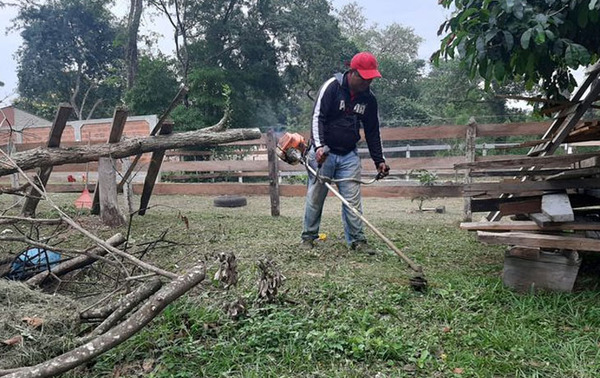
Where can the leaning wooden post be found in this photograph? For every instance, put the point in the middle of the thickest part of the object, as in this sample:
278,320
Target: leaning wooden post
153,169
43,173
471,134
273,172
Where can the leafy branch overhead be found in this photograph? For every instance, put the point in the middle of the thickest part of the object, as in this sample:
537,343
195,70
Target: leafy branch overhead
536,42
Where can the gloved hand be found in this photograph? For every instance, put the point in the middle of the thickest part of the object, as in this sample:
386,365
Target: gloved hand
321,154
382,170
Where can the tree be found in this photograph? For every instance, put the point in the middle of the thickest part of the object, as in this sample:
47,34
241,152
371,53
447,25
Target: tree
69,55
269,53
154,87
530,40
131,51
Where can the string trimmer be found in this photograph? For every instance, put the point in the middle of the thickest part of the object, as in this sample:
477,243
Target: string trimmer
292,148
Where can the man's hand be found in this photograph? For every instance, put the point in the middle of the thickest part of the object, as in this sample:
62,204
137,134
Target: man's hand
321,154
382,170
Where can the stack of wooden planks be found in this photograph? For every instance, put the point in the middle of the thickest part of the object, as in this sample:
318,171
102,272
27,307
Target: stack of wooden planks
545,200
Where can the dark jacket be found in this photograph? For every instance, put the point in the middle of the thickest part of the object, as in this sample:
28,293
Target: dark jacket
337,118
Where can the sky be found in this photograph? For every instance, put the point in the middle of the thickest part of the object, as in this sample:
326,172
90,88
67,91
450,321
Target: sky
424,16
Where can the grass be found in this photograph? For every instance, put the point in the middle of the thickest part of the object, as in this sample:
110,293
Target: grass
341,314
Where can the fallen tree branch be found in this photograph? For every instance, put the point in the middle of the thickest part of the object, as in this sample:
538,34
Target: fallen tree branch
11,220
126,304
58,156
77,262
117,335
101,243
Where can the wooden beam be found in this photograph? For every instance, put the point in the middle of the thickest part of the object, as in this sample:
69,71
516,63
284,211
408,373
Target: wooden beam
521,207
43,173
520,161
539,240
153,169
528,226
531,186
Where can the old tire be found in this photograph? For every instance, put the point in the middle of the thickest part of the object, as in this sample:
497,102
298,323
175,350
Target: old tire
230,201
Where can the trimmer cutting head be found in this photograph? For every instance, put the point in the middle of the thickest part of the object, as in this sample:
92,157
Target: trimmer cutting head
418,283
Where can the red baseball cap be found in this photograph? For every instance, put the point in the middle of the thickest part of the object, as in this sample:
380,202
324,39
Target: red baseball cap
366,65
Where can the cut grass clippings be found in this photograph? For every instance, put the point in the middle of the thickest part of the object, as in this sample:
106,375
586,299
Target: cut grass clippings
341,314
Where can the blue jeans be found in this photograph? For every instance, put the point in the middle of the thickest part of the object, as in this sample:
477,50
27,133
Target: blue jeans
334,167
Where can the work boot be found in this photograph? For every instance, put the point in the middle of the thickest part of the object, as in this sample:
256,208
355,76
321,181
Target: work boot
361,246
307,244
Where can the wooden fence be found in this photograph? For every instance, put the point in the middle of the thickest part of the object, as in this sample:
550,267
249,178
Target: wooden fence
243,168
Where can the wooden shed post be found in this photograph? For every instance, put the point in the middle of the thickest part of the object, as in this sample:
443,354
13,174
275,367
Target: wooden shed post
273,172
43,173
471,134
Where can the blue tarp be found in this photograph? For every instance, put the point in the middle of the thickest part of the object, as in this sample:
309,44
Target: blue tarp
32,261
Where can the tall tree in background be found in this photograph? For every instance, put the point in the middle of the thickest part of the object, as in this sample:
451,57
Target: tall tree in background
260,49
131,50
529,40
68,55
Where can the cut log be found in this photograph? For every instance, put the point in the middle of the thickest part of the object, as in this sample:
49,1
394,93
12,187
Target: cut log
28,160
126,304
110,214
120,333
539,240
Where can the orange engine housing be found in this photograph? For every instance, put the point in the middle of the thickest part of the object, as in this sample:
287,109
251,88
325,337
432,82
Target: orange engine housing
288,147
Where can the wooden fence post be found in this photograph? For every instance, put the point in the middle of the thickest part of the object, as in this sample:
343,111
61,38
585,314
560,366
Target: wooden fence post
273,172
471,134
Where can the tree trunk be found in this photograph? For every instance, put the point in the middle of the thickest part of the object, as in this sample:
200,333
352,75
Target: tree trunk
58,156
131,53
107,184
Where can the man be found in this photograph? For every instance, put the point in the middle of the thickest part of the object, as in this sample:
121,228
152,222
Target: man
344,102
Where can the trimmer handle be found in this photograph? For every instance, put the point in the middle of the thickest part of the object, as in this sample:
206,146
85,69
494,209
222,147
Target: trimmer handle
326,151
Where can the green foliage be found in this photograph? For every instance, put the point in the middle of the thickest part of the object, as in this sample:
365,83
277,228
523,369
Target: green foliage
154,88
529,40
69,55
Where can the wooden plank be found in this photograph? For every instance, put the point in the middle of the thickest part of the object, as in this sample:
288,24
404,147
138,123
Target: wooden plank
575,173
153,170
567,119
518,173
43,174
520,161
528,226
558,207
539,240
521,207
542,220
530,186
494,204
524,253
116,131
